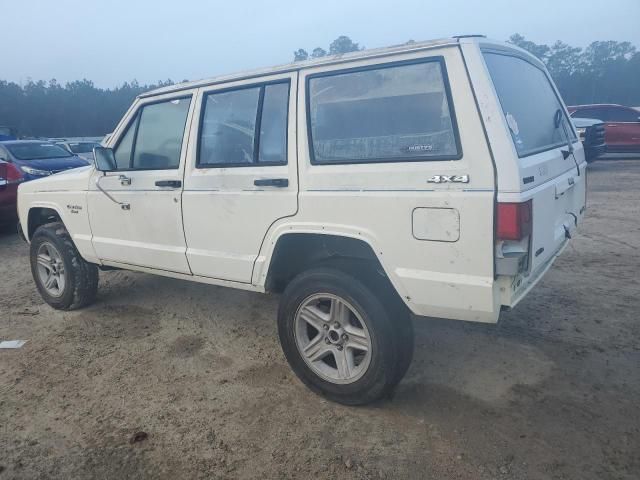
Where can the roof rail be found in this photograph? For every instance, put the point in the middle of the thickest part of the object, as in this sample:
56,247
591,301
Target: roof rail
472,35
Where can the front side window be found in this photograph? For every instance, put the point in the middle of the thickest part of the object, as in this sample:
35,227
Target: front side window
153,140
390,113
244,127
529,103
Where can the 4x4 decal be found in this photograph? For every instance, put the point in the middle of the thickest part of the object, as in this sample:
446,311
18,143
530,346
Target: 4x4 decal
449,179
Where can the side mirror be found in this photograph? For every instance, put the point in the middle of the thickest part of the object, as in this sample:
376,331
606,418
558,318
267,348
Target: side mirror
105,159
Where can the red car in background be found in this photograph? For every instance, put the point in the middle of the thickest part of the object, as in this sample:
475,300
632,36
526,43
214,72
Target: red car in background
621,125
10,177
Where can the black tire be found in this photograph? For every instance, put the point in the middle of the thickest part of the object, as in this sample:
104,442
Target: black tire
389,329
81,277
382,286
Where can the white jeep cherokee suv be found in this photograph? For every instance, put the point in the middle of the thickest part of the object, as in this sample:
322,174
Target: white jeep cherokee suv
439,178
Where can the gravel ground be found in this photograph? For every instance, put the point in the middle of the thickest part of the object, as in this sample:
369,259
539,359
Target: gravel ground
551,392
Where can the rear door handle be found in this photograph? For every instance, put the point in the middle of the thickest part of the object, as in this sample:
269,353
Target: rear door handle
169,183
271,182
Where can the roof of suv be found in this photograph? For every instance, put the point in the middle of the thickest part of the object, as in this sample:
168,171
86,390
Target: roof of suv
327,60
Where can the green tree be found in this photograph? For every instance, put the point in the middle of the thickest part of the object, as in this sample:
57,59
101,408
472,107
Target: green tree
300,55
604,72
340,45
540,51
318,52
343,44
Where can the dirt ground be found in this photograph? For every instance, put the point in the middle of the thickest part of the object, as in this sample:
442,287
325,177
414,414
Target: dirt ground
551,392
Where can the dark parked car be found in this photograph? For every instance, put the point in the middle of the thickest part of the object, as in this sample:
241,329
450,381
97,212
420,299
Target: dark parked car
10,177
37,159
621,124
591,132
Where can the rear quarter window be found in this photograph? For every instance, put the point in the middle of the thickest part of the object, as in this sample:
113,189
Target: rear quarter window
529,103
387,113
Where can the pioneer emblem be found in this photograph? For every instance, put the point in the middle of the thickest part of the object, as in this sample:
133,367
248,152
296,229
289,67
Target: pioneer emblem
74,208
449,179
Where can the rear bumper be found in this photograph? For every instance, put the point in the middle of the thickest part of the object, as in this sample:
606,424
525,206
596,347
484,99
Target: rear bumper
521,286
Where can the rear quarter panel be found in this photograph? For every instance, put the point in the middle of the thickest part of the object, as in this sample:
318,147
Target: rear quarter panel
375,203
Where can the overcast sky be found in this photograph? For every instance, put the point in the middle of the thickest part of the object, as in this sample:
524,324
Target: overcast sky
114,41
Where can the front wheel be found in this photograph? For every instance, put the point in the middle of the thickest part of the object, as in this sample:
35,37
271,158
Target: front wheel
64,279
340,339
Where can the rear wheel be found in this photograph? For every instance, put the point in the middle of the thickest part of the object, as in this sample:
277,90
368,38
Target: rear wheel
64,279
341,338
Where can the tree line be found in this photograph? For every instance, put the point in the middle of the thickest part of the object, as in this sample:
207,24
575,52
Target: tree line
603,72
76,109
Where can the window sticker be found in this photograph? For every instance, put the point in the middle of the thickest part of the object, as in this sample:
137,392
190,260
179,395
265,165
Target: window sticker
513,126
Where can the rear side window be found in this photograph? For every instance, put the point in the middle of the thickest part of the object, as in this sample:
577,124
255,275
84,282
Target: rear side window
529,104
244,127
153,140
388,113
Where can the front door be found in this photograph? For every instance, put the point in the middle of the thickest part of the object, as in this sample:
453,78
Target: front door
241,175
138,221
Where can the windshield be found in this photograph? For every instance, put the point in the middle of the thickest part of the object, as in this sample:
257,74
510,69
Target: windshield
83,147
6,131
532,124
36,151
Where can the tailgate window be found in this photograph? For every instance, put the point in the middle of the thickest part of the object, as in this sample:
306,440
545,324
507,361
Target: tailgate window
529,103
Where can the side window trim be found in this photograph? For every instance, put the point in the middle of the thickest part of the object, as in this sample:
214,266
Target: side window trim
378,66
133,120
136,118
257,134
134,140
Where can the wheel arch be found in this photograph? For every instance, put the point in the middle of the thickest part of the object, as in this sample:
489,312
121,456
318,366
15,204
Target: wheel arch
296,251
39,215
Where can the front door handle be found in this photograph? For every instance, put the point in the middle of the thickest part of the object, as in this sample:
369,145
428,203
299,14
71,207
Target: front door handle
124,180
169,183
271,182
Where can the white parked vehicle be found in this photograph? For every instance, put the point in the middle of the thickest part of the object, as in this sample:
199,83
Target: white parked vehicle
440,179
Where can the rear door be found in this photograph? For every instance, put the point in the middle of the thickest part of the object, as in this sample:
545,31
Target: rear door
546,172
242,174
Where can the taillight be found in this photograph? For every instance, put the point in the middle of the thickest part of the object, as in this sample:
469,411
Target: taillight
514,220
10,173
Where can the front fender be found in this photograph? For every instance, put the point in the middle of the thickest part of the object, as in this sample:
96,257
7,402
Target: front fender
71,208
